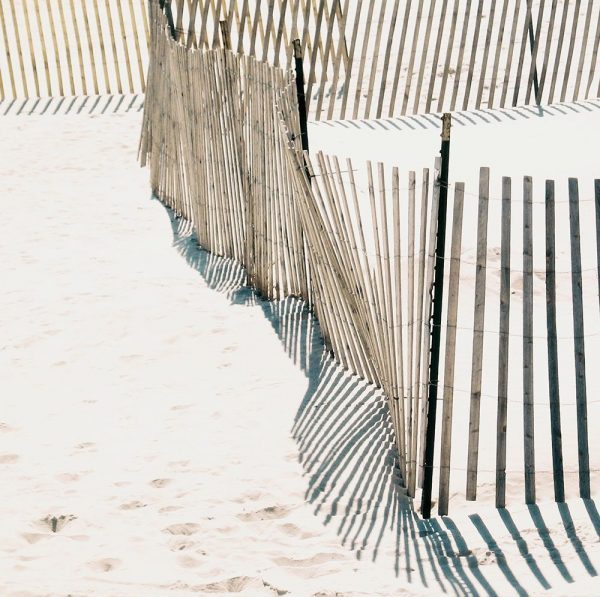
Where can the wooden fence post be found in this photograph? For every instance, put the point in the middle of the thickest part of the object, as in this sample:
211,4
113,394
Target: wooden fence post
438,290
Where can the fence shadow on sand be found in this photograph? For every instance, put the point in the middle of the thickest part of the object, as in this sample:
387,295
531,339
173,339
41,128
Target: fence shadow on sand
345,444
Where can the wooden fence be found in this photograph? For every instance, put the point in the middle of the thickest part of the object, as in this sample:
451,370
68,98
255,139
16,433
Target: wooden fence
385,58
363,58
72,47
221,135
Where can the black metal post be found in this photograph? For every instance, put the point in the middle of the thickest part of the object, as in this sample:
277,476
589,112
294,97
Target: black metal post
224,25
301,94
436,319
166,6
536,83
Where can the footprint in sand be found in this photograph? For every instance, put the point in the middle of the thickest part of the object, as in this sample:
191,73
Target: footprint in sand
105,565
269,513
8,458
231,585
85,446
67,477
55,523
181,545
160,483
167,509
293,531
316,560
132,505
189,562
187,528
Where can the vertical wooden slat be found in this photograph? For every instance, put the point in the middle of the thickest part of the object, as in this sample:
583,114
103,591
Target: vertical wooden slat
63,25
478,332
528,407
461,53
549,39
411,60
593,60
44,50
410,320
19,48
111,30
486,53
363,60
88,34
499,39
579,342
145,20
34,68
531,78
503,345
399,57
59,74
375,60
342,57
473,58
136,43
450,352
436,56
353,43
386,59
107,87
125,46
421,328
423,57
430,267
563,92
442,93
561,37
553,386
328,50
582,50
511,46
9,61
399,333
524,49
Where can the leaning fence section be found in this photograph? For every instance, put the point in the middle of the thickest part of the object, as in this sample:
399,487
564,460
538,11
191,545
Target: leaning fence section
72,47
386,58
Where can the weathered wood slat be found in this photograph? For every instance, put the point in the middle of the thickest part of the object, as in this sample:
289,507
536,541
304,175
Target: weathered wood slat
478,332
579,342
450,356
503,344
553,385
528,398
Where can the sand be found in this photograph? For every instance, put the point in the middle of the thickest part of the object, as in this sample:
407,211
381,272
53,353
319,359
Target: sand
189,438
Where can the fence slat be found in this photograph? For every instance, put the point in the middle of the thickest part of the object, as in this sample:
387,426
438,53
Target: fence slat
503,344
528,404
450,356
499,39
579,344
478,332
553,386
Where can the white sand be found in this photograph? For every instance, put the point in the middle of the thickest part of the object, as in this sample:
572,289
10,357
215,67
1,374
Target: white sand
191,435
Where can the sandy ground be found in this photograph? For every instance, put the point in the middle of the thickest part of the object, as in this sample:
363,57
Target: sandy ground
189,438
